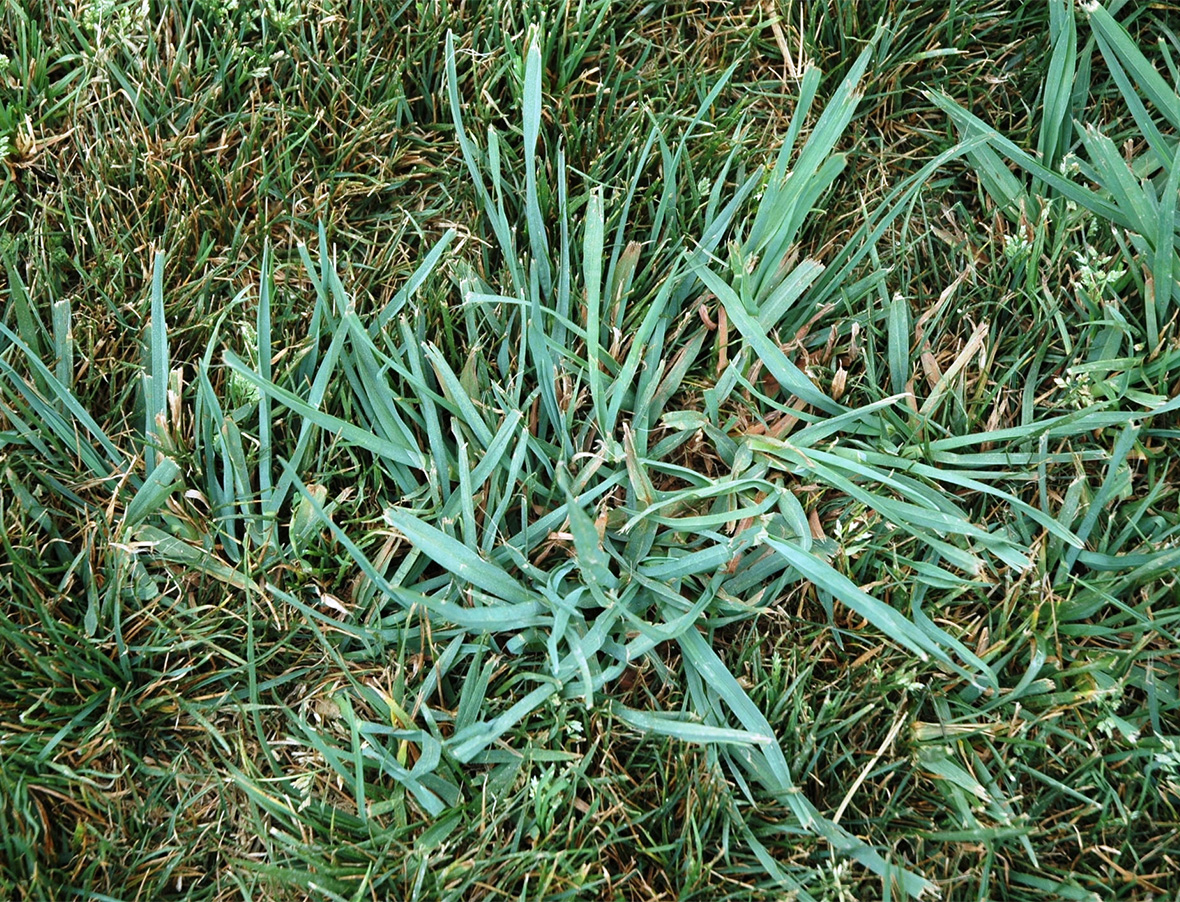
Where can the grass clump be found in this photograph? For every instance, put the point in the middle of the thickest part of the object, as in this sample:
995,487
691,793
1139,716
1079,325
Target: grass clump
667,471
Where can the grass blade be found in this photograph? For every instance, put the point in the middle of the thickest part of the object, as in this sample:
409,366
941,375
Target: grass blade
457,558
538,241
156,377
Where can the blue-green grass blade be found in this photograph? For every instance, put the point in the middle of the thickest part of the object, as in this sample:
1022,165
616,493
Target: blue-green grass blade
808,86
310,360
834,283
760,230
438,460
493,211
160,483
804,200
23,433
676,727
625,209
1116,176
940,474
789,376
372,366
837,114
344,705
944,639
717,229
451,554
787,292
493,456
362,438
511,478
619,282
50,420
592,266
538,347
1161,146
455,393
509,618
898,332
708,488
673,378
622,385
304,523
473,694
538,530
431,801
215,459
893,625
562,301
1001,185
238,482
468,743
769,763
591,558
716,190
716,520
538,239
682,564
28,322
63,342
167,547
784,209
465,493
669,191
315,397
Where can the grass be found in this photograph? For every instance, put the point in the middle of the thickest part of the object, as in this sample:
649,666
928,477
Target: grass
585,452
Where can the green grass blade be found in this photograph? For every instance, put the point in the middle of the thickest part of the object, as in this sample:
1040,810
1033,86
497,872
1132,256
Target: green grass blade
773,359
63,342
1057,90
66,434
1161,297
156,378
457,558
265,351
416,280
670,725
161,482
592,264
892,624
538,240
973,126
898,338
363,438
1114,41
455,393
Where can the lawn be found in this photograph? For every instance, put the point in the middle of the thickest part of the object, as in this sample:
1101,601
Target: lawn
589,450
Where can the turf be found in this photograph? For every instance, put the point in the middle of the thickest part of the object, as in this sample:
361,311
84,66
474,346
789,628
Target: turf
597,450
